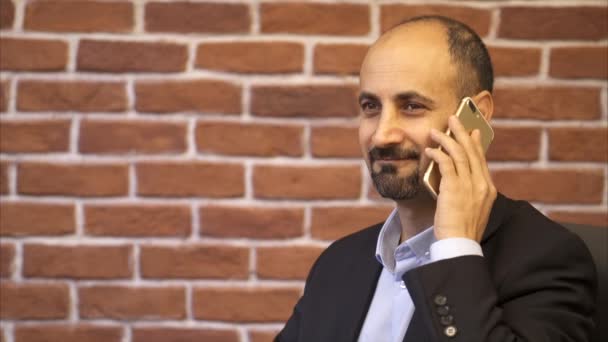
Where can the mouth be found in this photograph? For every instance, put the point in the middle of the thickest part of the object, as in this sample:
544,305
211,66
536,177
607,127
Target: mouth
394,160
392,164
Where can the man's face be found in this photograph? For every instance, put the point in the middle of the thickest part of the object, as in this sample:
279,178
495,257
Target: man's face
407,87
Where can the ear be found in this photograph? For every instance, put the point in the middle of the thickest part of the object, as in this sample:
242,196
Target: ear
485,103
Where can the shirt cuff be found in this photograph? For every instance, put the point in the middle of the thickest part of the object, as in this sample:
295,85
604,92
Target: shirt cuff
454,247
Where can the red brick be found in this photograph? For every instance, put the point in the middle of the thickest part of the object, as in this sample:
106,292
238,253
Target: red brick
335,142
579,62
7,14
22,218
509,61
292,262
598,219
66,333
551,186
251,222
192,261
478,19
515,143
79,96
578,144
34,136
251,57
244,304
331,223
330,182
99,180
4,95
142,137
244,139
183,335
311,18
547,103
124,56
304,101
198,95
116,302
33,54
588,22
4,188
34,301
79,16
80,262
191,179
136,220
185,17
342,59
262,336
7,259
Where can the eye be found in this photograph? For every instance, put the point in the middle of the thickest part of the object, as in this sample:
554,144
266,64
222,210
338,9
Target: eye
413,108
370,107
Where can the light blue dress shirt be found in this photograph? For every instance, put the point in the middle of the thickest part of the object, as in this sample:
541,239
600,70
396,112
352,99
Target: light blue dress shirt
391,309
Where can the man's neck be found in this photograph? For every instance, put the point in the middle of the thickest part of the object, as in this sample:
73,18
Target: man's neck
416,214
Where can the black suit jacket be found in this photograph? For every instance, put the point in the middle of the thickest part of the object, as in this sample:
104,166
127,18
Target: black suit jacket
536,282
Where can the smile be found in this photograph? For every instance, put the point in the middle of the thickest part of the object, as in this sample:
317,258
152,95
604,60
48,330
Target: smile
381,161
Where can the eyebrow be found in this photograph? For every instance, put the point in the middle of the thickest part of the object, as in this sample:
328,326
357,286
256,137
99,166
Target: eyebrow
401,97
413,95
364,95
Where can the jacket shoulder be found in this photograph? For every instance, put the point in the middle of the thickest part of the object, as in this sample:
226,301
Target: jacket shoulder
351,249
358,242
525,220
527,241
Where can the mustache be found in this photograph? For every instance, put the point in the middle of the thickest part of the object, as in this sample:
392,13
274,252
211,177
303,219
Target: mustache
393,152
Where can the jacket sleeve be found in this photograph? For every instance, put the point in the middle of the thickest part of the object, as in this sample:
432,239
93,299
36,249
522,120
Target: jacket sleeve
291,330
551,297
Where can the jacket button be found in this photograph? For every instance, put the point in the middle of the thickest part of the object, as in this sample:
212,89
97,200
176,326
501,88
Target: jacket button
446,320
443,310
441,300
450,331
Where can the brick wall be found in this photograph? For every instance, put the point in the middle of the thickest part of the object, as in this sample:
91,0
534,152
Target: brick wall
170,170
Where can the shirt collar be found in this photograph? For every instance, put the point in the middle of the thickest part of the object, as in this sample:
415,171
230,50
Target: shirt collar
388,249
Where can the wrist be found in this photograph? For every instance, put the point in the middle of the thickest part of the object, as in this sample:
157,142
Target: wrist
454,247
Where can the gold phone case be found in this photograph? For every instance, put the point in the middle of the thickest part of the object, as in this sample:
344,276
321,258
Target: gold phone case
471,118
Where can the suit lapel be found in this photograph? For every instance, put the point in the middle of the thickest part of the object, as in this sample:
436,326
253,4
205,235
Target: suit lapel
360,295
361,274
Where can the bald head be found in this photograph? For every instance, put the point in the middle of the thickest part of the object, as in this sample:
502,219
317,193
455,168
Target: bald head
436,36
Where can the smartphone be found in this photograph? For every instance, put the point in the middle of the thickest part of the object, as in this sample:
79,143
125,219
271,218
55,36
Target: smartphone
471,118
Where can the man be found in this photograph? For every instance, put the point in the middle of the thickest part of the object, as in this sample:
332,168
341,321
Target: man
470,266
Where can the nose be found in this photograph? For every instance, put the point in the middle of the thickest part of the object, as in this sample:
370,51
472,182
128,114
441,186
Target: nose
389,130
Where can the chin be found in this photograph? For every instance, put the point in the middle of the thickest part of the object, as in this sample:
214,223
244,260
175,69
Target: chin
396,186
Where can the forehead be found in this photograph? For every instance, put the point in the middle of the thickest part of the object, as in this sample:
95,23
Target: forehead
414,57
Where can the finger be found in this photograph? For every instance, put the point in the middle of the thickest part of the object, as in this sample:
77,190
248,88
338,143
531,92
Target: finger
455,152
465,140
476,136
445,163
486,185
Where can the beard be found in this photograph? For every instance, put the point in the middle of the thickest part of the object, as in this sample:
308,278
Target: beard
387,180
